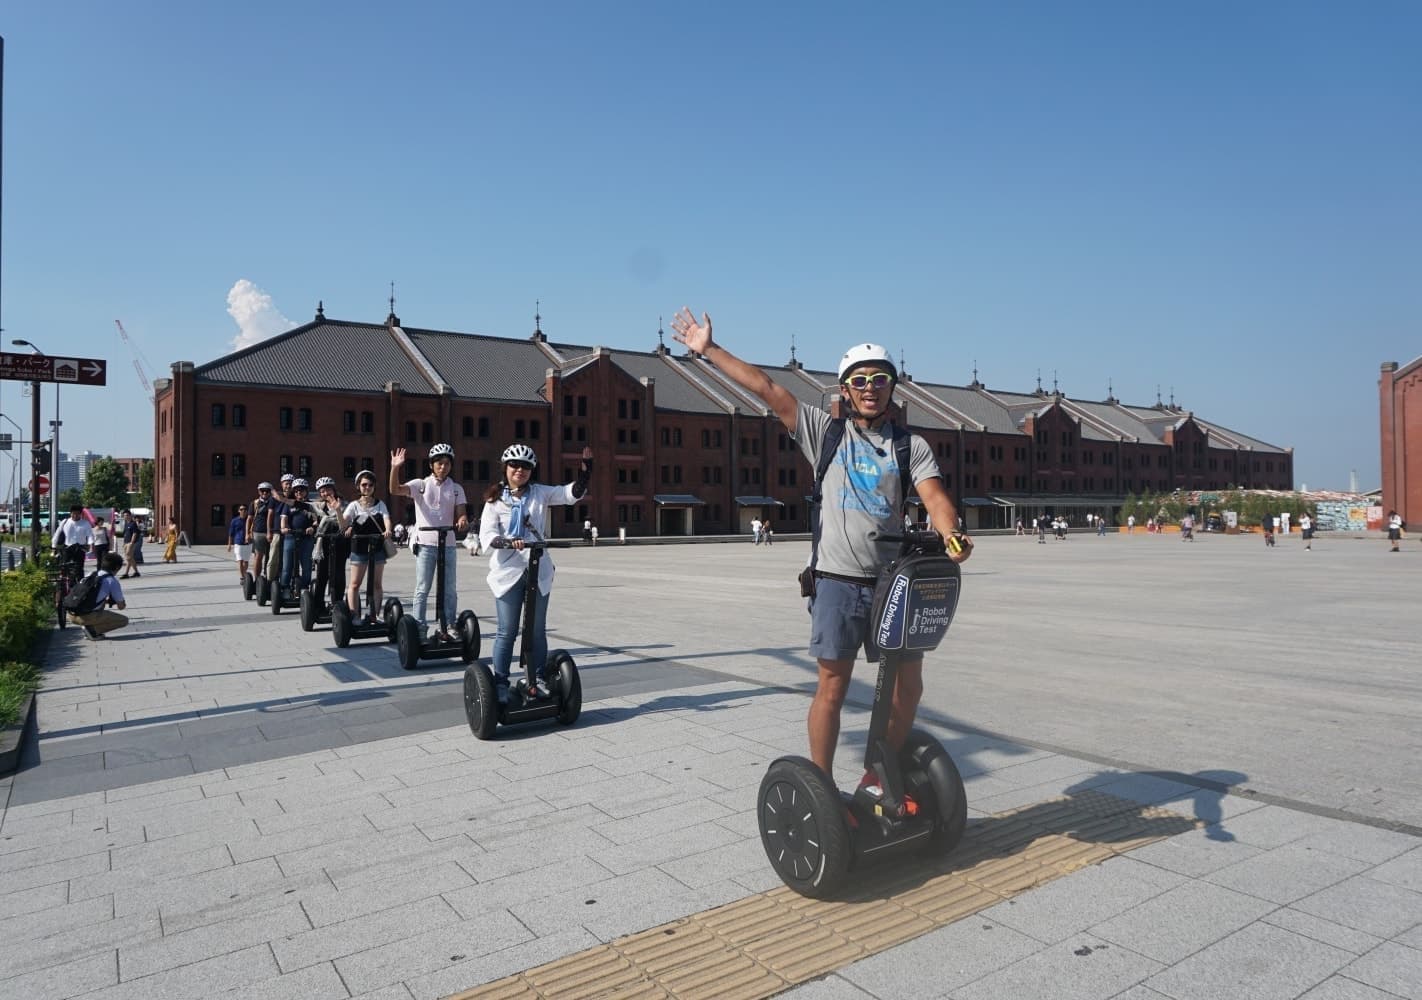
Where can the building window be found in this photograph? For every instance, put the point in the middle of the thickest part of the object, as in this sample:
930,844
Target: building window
636,513
622,409
427,432
219,415
467,427
219,466
239,415
411,432
411,470
284,464
468,470
483,470
239,466
219,516
534,430
567,406
636,409
632,436
519,428
483,427
367,422
284,418
582,406
303,467
348,468
303,419
367,463
622,513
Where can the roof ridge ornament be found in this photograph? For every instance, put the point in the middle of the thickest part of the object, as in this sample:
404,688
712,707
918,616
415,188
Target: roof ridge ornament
392,319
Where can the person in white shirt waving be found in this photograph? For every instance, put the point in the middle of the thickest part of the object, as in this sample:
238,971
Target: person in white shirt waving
515,511
439,502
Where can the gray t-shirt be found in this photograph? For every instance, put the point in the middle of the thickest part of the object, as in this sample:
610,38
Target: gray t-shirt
861,491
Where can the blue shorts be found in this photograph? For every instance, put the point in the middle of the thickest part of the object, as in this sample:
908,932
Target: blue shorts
839,621
361,558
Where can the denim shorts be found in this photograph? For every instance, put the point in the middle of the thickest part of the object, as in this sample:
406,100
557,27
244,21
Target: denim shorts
839,621
361,558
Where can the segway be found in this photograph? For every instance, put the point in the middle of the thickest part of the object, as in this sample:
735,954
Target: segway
315,608
557,694
414,647
813,836
279,599
344,627
271,571
249,586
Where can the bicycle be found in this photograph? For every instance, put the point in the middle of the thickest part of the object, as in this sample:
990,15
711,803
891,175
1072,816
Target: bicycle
70,571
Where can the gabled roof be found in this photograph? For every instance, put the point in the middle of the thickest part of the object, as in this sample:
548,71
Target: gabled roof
974,405
321,355
481,367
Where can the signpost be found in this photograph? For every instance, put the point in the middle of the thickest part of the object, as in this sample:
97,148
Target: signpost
38,368
44,368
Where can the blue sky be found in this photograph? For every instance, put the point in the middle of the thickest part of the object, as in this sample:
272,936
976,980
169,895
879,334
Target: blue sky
1218,198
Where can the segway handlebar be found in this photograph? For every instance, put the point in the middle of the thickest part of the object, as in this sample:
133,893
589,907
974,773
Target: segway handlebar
912,537
507,543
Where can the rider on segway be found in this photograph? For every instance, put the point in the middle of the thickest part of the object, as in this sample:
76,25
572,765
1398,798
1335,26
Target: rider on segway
367,524
515,511
332,548
298,537
869,466
438,500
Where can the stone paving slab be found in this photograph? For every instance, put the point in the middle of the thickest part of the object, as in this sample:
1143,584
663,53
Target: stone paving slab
327,827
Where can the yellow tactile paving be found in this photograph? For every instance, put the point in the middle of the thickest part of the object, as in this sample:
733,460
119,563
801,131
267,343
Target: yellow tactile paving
764,944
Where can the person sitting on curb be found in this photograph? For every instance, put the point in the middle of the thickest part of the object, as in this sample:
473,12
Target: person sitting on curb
101,620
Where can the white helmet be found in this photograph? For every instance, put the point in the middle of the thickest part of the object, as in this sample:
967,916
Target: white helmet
287,477
519,453
441,451
300,484
365,474
264,485
866,354
323,482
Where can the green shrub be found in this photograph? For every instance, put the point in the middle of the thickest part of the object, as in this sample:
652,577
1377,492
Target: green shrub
17,679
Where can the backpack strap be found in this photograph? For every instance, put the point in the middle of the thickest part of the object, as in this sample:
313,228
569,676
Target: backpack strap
903,454
834,434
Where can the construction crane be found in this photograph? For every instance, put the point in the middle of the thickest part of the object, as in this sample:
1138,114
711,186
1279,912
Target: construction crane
137,362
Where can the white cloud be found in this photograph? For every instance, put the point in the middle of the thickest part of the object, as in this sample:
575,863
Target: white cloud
257,318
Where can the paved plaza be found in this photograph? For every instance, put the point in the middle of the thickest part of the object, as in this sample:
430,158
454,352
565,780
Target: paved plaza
219,801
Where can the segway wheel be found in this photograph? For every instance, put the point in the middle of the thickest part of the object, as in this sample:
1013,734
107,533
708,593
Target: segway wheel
278,598
933,779
248,589
61,614
469,639
407,637
341,624
803,828
481,701
393,613
264,592
308,611
563,678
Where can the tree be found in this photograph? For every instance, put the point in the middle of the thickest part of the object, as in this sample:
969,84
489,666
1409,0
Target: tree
68,500
145,484
106,485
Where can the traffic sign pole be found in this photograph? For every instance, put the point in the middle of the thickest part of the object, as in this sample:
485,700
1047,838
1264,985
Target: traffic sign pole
34,496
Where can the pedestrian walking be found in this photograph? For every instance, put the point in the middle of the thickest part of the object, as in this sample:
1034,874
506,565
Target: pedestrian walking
1306,527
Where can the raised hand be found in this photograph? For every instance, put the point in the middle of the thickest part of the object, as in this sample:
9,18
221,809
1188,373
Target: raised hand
696,336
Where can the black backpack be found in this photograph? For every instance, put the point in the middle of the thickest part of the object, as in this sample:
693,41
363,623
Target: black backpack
84,598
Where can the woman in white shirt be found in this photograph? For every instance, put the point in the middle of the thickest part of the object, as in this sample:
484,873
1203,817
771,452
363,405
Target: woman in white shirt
515,511
1394,529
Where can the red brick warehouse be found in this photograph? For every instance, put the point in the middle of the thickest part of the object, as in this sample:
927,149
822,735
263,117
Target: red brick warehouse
1400,423
680,449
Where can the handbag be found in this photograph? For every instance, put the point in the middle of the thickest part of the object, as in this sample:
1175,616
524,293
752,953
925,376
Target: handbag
390,548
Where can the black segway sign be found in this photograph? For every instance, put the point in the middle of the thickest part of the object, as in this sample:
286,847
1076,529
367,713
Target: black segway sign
917,612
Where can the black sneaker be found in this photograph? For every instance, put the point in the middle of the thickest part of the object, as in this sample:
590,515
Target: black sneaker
90,632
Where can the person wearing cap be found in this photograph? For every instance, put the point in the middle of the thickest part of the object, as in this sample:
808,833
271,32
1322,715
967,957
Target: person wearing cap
862,494
439,502
238,543
73,540
298,537
367,526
